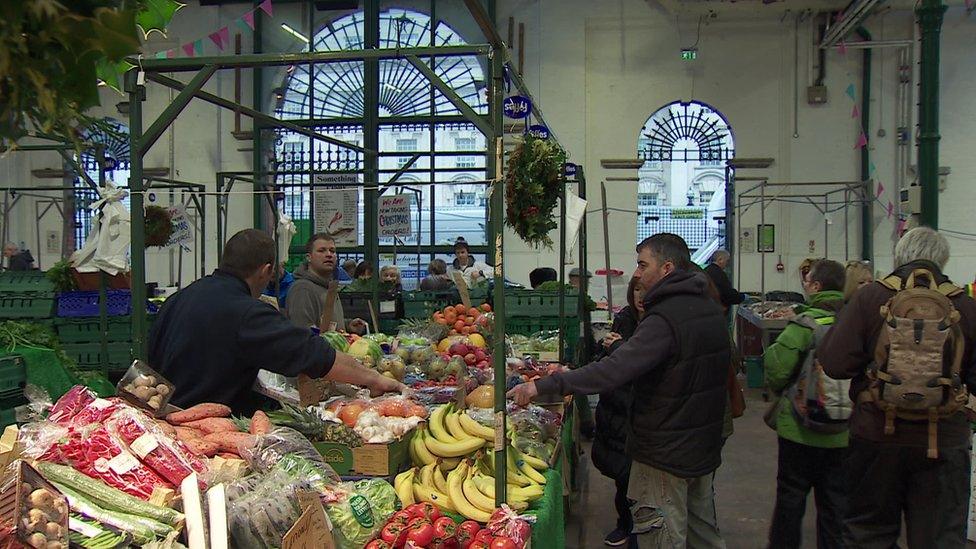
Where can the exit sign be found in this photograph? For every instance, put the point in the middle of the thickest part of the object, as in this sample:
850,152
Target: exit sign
689,54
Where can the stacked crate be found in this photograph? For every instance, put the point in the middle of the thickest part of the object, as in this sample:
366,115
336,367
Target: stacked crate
13,378
528,312
26,295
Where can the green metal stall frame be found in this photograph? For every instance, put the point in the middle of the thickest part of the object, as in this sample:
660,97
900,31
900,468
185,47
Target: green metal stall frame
203,68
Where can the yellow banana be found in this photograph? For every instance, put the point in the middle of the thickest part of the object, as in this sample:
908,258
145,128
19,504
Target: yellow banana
438,430
403,484
534,462
464,507
410,448
474,496
533,475
528,493
476,429
424,457
426,475
439,481
453,423
513,473
449,464
453,449
432,495
515,494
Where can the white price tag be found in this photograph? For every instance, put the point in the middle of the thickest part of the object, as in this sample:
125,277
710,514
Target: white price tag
123,463
143,445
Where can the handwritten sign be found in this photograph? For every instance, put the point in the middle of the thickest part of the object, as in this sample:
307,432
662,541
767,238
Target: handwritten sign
335,209
182,228
394,215
539,131
311,530
516,106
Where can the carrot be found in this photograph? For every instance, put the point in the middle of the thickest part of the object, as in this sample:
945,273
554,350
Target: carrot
230,441
200,411
183,434
201,447
166,428
212,425
260,424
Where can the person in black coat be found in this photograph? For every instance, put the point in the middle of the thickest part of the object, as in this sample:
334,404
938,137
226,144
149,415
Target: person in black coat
611,418
716,271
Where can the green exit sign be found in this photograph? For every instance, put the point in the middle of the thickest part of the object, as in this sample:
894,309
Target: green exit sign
689,54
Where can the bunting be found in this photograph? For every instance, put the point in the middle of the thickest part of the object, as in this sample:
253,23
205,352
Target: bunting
219,37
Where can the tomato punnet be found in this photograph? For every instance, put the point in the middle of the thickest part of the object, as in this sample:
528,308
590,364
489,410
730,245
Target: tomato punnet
502,542
421,534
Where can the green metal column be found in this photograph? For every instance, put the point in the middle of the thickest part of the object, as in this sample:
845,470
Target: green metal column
257,102
137,95
496,212
371,141
930,14
867,207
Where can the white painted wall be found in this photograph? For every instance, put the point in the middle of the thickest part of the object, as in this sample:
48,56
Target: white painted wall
599,69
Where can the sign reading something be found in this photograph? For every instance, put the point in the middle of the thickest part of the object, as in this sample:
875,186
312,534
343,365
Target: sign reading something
394,215
336,210
516,106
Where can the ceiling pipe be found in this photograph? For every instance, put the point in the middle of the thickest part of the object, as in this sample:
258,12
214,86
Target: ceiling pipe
853,16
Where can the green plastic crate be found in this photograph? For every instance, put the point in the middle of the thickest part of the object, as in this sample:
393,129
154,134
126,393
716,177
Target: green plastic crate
389,326
27,305
13,376
422,304
8,416
533,303
530,326
88,356
88,329
24,281
755,376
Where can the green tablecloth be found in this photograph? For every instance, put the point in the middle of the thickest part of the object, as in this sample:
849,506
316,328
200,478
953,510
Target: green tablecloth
549,530
45,370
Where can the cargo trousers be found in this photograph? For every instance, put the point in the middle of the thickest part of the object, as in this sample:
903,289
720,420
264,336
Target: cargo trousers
671,512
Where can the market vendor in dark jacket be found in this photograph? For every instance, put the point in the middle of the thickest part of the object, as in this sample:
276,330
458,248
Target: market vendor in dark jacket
677,361
716,271
889,474
610,440
212,337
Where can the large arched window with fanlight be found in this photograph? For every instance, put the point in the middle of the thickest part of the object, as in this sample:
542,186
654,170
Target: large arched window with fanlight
415,120
681,184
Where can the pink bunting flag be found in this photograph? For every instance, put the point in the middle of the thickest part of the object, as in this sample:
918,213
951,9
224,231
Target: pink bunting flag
855,112
842,48
188,49
266,7
890,208
881,189
224,35
862,140
217,40
249,19
170,54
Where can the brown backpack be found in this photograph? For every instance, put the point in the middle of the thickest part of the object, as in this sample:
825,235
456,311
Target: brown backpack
915,375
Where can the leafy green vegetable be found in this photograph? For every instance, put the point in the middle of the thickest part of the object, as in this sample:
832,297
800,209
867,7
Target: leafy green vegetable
15,333
363,513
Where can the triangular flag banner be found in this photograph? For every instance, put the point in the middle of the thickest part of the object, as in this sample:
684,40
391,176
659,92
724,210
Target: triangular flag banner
161,54
198,46
217,40
872,168
842,48
881,189
249,19
266,7
890,208
170,54
862,140
188,49
243,26
850,88
224,35
855,112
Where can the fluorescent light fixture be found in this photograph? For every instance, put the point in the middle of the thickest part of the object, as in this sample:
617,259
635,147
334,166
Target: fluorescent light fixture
295,33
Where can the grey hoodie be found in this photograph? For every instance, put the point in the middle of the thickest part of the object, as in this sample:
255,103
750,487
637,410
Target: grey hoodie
306,299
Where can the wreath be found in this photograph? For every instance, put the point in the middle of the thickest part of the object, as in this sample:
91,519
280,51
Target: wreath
533,186
159,226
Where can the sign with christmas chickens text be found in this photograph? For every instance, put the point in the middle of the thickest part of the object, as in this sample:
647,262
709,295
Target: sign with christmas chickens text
394,215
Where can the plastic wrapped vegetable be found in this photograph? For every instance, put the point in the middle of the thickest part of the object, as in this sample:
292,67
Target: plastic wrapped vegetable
262,508
285,444
167,457
360,516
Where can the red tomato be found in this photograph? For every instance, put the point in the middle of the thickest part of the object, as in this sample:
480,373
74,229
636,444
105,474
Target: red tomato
502,542
470,527
444,543
478,544
392,533
421,534
378,544
484,535
464,538
445,527
401,517
427,509
414,510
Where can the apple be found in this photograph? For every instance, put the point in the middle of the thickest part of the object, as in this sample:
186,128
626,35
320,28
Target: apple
470,359
458,349
480,354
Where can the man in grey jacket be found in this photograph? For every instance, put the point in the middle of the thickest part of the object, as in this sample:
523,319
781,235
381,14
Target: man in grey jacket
677,362
307,296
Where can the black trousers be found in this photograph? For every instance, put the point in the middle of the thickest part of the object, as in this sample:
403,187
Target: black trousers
803,468
887,481
622,504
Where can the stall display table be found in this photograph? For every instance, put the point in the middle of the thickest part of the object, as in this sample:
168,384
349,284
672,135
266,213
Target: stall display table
549,530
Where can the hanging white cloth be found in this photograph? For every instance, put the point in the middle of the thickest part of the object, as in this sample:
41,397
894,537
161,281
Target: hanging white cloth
107,246
286,230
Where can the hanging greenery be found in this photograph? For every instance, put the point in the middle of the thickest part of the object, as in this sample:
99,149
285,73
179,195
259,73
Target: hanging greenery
53,55
159,226
533,185
60,275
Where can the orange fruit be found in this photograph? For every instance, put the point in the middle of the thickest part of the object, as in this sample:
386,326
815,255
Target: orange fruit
469,320
472,312
486,307
439,317
459,325
450,316
460,309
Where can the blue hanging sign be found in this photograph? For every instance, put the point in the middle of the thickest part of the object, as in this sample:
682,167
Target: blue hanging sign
569,169
516,106
539,131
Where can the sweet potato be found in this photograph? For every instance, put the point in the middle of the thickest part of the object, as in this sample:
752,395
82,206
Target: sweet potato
228,455
200,411
201,447
184,434
260,424
212,425
166,428
230,441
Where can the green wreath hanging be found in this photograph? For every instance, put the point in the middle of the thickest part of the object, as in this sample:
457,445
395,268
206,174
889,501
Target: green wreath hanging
533,186
159,226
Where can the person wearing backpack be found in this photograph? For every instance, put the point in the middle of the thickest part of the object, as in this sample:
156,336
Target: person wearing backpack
906,342
810,417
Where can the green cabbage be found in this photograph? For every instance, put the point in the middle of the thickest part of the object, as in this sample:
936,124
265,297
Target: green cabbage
359,517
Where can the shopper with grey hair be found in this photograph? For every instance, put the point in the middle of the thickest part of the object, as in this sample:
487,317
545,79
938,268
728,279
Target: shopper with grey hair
899,465
716,271
16,260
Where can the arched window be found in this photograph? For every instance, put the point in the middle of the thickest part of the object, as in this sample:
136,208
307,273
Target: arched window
114,135
331,98
684,147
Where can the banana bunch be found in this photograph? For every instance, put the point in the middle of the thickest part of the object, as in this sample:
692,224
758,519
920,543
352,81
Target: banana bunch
468,488
450,434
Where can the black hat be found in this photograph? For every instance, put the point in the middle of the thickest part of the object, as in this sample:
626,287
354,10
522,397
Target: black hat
461,243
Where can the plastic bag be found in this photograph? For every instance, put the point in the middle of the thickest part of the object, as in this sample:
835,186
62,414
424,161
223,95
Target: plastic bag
261,508
169,458
285,443
506,522
358,517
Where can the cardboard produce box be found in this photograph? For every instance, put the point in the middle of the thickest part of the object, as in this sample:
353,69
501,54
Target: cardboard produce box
377,460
